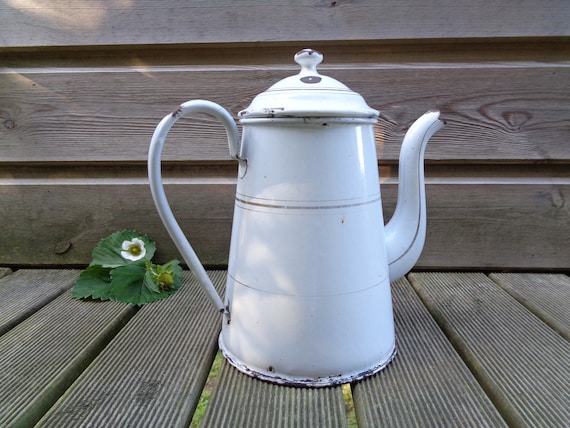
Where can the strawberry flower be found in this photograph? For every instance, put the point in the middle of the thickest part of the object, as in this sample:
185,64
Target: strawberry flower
133,250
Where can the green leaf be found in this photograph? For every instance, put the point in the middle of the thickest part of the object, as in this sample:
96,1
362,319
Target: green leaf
128,284
94,282
108,252
150,283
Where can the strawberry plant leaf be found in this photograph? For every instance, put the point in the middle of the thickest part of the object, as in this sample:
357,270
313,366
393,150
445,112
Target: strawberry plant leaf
129,285
94,282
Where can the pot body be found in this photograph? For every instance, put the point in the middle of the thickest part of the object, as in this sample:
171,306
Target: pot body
308,283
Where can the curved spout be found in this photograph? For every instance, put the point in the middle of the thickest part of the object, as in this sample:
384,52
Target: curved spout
406,231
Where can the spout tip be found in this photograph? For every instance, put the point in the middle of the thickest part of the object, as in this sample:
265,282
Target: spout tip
437,114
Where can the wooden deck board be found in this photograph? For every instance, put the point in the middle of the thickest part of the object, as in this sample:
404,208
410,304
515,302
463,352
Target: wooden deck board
5,271
26,291
242,401
162,357
470,354
521,362
546,295
427,384
42,356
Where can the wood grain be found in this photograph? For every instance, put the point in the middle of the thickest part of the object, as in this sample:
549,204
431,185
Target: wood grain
495,50
106,22
44,354
25,292
546,295
427,384
465,343
498,112
506,221
163,370
514,365
237,399
83,85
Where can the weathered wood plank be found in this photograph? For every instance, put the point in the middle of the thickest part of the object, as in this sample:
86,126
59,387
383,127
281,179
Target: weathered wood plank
519,360
473,222
492,111
88,213
44,354
497,225
76,23
153,371
546,295
141,57
427,384
26,291
242,401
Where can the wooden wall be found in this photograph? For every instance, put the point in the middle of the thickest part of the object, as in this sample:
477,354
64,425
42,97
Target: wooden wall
84,83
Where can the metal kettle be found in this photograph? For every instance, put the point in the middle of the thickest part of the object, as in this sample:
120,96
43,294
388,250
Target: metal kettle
307,298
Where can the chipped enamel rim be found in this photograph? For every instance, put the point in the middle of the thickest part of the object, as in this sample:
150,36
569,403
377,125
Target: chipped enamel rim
288,380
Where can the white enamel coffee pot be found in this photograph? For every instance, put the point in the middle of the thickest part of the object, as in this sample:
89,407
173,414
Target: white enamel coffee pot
307,298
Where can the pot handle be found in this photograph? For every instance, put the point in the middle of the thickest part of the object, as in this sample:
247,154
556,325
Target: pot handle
157,189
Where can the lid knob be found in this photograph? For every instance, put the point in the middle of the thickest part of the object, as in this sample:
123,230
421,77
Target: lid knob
308,59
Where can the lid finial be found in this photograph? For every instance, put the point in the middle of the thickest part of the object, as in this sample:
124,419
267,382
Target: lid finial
308,59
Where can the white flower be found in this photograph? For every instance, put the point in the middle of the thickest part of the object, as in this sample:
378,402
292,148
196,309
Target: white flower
133,250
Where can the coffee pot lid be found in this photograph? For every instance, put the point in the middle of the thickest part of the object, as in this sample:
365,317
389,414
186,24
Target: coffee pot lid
308,94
